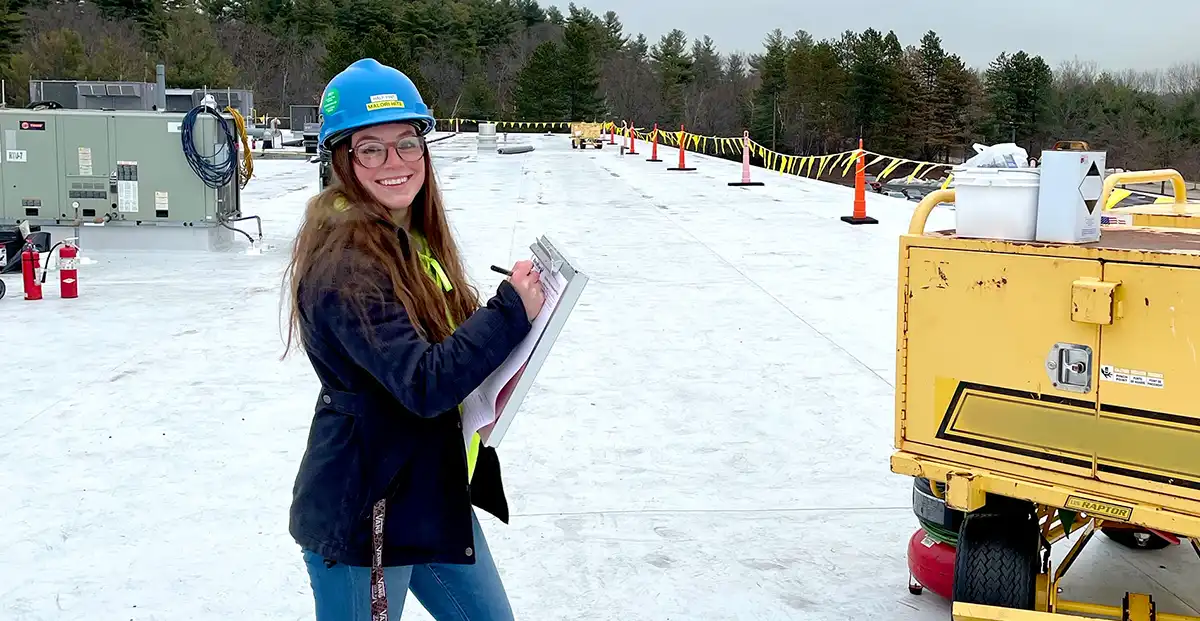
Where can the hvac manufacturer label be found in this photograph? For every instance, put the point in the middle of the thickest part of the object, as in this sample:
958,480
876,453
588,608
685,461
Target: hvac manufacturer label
13,155
85,161
1097,507
127,187
1131,377
36,126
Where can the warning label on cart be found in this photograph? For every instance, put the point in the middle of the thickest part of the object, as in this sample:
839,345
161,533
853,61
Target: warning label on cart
1133,377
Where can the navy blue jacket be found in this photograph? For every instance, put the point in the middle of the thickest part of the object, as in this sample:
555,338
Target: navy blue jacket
387,425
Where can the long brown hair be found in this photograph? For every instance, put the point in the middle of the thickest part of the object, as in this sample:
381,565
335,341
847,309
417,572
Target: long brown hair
337,239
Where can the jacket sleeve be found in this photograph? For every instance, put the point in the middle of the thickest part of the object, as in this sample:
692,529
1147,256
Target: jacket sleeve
426,378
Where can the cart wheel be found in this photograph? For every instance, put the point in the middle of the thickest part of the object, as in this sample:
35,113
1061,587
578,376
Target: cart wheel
3,289
1135,538
915,587
996,563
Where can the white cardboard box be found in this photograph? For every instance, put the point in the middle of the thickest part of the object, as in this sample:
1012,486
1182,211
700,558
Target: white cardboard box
1069,206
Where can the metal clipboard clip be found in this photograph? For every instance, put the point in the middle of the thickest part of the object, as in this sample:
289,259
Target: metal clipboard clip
547,255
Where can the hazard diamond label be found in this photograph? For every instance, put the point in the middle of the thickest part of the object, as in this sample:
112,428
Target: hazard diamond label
1091,187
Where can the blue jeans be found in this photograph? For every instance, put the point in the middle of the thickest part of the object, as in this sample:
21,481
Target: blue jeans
448,592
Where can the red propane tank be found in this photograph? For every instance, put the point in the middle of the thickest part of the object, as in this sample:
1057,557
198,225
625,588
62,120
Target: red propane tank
931,563
31,272
68,270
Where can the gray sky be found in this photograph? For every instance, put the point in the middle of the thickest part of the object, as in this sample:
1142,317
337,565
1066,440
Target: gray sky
1100,31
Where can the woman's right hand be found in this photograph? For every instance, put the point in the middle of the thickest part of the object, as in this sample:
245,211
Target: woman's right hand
526,281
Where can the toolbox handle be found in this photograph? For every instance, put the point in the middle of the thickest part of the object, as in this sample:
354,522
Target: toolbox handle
916,226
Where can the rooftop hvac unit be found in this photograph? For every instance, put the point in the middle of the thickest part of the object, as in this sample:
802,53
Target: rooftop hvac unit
123,172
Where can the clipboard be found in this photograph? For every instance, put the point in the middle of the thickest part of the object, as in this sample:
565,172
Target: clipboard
553,260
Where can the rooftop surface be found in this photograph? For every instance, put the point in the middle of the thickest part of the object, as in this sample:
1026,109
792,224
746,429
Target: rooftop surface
709,438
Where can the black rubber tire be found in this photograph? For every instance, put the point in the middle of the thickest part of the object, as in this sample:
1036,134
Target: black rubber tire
997,561
3,289
1129,538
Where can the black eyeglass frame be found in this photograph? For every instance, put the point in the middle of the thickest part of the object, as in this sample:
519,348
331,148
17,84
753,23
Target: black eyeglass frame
395,147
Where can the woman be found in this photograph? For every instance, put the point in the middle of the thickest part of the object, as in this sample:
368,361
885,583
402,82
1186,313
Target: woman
382,306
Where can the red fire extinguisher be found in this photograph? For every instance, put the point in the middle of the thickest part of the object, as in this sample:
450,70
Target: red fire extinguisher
68,269
31,272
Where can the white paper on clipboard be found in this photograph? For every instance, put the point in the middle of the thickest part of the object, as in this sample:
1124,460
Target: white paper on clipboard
484,404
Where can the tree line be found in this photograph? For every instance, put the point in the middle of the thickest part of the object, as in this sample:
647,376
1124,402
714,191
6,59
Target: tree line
518,60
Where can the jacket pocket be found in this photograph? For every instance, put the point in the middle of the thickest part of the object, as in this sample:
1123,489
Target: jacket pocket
385,438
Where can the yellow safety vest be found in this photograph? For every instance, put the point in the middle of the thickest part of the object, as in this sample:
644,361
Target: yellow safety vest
439,276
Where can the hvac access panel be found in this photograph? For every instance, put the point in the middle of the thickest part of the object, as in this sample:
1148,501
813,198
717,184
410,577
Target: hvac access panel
29,169
152,177
86,191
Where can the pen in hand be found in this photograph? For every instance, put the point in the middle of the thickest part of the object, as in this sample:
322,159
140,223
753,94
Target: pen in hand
501,270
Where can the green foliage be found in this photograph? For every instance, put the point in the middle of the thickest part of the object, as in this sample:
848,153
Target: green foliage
540,92
192,55
10,31
673,65
581,67
1018,91
529,60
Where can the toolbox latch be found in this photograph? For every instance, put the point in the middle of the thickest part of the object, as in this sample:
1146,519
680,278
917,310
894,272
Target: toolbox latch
1092,301
1070,367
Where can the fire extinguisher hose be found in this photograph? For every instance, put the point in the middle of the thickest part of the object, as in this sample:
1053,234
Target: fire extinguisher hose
46,267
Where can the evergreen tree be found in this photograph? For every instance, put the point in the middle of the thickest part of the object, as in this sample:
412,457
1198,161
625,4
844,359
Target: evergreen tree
540,92
193,57
877,90
674,68
614,40
706,63
478,99
10,32
1018,94
580,62
765,125
639,48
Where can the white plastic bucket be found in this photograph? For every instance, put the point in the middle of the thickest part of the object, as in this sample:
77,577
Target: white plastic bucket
996,203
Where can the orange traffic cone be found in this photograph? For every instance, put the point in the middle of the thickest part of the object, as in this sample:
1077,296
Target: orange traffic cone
682,150
654,146
860,191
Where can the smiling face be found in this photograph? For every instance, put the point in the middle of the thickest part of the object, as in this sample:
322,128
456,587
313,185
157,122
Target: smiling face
392,178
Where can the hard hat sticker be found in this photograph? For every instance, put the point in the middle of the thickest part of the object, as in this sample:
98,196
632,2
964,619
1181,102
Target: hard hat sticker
329,104
385,100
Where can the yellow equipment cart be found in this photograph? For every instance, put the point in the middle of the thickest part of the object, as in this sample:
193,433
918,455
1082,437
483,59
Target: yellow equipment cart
585,134
1052,388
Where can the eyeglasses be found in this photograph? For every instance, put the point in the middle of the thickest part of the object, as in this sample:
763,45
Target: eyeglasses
373,153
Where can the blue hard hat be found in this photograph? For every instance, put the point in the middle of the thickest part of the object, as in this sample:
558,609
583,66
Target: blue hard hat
370,93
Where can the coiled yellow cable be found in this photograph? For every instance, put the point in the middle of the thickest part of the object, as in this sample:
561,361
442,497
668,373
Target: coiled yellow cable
246,170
